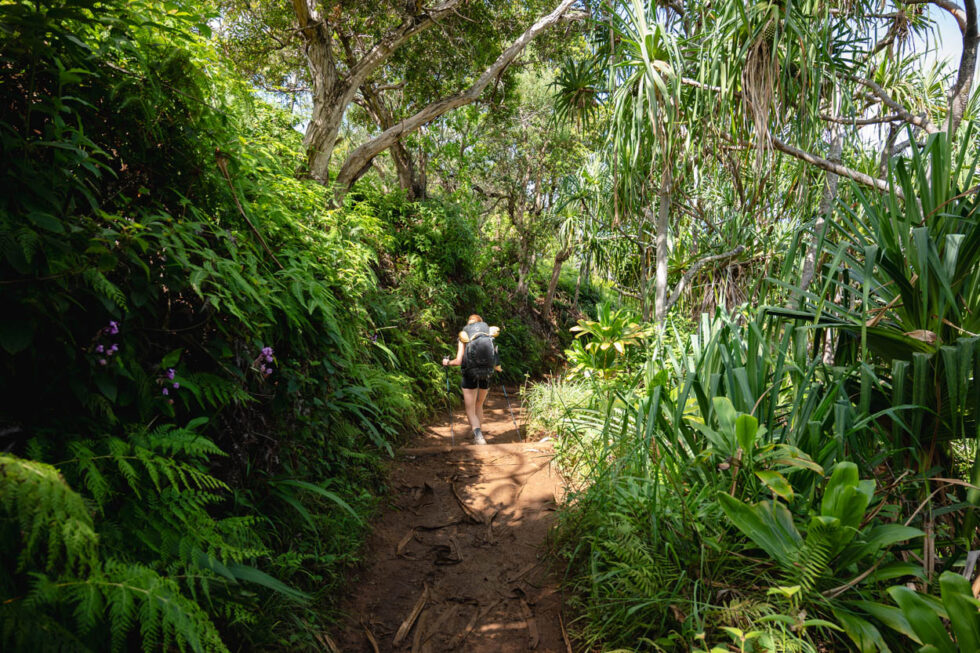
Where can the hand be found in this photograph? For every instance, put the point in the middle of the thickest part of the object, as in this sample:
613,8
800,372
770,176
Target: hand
445,361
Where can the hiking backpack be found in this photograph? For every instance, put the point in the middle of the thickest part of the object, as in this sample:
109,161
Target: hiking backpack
480,354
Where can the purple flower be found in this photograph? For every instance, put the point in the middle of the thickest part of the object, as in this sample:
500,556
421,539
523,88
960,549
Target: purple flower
99,348
166,392
268,372
374,337
171,373
114,347
176,385
268,359
103,361
113,328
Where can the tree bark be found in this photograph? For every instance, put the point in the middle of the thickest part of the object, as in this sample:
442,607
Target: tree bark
644,245
959,95
663,221
358,161
826,206
408,179
560,258
331,94
836,168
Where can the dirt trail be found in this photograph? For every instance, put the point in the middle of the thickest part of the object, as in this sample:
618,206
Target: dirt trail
457,560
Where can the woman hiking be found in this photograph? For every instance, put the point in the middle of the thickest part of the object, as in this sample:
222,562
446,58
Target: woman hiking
476,354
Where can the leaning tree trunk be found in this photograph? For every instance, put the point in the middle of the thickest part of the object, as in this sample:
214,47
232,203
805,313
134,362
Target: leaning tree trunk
560,258
359,161
333,94
408,179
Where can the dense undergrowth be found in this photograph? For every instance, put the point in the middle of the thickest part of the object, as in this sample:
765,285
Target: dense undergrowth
204,366
789,480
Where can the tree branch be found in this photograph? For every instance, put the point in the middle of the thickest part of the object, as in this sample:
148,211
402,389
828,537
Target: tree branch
679,288
958,14
355,163
837,168
860,122
904,113
959,94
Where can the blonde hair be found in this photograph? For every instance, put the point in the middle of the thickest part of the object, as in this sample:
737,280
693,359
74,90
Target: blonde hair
474,318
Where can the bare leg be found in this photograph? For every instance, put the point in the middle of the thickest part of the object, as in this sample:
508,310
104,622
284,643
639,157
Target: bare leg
480,399
470,405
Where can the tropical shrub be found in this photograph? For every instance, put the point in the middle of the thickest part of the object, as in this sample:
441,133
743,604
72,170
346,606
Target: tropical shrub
203,363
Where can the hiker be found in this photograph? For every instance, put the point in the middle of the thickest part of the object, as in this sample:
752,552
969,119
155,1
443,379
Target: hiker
476,353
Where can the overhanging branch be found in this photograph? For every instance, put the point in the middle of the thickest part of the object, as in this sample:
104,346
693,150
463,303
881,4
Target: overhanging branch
700,263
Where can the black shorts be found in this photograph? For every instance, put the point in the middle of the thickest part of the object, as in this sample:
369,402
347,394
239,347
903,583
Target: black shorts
472,383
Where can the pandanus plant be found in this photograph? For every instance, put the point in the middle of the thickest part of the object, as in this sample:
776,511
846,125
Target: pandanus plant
901,291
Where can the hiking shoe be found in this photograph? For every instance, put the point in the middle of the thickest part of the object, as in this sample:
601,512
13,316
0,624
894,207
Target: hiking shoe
479,439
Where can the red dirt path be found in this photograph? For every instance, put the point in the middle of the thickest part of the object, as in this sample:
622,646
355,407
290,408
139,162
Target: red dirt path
469,561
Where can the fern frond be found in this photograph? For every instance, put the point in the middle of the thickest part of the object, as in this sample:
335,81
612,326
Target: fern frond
49,514
105,289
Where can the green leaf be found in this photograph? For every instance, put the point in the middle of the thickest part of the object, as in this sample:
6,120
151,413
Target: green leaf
106,386
46,221
253,575
777,483
746,428
171,359
326,494
15,334
923,619
862,632
962,609
768,524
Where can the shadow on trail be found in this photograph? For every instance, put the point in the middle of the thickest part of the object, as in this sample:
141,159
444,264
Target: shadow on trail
457,561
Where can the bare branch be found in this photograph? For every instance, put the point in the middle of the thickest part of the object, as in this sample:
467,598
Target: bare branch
905,114
837,168
686,278
860,122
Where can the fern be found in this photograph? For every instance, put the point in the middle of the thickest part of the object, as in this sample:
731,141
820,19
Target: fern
107,291
813,560
49,516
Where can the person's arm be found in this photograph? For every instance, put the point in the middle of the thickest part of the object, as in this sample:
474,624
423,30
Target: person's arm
459,356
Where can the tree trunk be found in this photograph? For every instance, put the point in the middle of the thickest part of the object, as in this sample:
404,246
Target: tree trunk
959,94
644,245
408,179
358,162
826,207
523,272
560,258
663,215
331,95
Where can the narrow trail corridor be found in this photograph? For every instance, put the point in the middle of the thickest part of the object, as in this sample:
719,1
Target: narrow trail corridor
457,560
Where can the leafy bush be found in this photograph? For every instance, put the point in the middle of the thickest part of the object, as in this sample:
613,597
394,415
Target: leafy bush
159,262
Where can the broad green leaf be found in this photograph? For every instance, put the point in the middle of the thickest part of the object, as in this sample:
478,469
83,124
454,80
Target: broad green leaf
923,619
746,428
768,524
777,483
964,616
